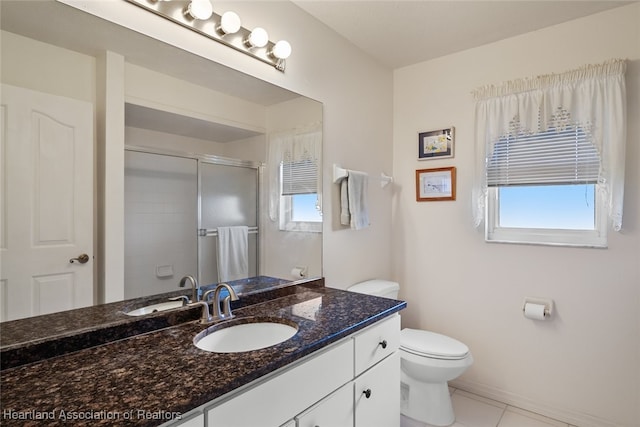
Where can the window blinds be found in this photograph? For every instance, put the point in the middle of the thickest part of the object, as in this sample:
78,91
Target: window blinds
546,158
299,177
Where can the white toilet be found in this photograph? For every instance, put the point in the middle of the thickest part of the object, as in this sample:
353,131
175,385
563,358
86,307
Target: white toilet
428,360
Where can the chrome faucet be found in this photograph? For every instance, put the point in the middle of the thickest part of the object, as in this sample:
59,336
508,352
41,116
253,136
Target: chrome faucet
195,288
226,303
206,318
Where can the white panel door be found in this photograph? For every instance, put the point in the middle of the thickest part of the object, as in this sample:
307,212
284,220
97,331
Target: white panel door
46,217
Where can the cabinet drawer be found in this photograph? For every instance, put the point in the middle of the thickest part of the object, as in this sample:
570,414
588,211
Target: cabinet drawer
336,410
377,395
377,342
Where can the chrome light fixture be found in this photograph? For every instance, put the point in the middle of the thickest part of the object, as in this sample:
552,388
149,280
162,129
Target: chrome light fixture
281,51
227,29
257,38
199,9
229,23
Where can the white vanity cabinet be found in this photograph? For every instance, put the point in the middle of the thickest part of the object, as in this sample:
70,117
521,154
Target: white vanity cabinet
277,400
335,410
353,383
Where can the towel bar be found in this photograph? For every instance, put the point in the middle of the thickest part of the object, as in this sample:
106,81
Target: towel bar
340,173
213,232
385,180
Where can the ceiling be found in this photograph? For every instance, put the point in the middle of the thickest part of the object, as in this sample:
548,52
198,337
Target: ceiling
405,32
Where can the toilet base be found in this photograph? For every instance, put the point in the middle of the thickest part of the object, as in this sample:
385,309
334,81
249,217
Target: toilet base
428,403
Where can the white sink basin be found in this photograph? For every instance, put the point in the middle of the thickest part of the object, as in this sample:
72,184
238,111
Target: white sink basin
153,308
240,337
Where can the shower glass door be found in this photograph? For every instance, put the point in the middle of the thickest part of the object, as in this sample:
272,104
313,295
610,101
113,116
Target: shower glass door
228,197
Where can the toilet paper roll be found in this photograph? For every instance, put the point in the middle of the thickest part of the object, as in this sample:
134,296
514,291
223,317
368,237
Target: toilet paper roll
534,311
298,272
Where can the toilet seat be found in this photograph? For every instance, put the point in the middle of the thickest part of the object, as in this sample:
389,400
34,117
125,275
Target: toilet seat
431,344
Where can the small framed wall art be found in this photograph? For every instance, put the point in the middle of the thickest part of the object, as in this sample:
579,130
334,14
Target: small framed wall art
436,144
436,184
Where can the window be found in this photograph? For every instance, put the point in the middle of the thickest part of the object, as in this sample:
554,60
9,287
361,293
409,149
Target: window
550,156
543,190
299,203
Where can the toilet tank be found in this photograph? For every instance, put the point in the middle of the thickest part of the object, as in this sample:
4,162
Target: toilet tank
377,287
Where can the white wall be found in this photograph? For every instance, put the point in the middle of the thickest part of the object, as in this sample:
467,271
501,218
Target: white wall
69,73
155,90
167,141
581,366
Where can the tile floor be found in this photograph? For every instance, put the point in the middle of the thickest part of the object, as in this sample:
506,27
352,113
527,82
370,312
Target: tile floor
476,411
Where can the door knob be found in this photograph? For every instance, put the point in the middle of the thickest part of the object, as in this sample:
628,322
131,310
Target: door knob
82,259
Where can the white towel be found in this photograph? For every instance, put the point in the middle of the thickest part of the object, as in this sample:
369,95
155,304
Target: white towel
357,186
345,216
233,253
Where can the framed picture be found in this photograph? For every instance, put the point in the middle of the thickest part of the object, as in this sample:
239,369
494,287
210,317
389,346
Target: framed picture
436,184
436,144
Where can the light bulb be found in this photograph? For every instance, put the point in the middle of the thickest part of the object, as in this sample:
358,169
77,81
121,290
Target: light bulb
281,50
258,38
200,9
229,23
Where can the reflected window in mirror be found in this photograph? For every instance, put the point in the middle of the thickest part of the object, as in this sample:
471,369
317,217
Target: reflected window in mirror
294,157
299,202
300,212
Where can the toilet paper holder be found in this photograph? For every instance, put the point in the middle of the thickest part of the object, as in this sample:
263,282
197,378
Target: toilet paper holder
548,304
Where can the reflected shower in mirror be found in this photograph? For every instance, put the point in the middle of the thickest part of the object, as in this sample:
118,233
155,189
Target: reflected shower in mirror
263,184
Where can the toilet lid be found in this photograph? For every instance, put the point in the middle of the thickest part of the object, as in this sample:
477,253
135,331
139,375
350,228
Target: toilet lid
432,344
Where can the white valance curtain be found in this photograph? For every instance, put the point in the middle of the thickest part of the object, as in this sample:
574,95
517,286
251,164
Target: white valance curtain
592,99
296,146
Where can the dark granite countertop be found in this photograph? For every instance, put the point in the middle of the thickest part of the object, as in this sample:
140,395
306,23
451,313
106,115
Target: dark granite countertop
29,340
147,379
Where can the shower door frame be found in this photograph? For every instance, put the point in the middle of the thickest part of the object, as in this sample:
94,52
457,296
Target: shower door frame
216,160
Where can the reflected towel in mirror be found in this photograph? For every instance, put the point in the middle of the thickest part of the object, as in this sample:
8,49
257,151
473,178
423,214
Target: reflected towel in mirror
233,253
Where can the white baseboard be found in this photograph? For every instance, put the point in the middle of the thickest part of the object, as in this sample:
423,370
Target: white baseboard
561,414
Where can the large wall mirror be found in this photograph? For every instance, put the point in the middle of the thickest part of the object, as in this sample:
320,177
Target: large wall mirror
208,151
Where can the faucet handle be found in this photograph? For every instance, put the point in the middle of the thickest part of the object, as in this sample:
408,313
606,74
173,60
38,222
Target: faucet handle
184,298
206,318
226,308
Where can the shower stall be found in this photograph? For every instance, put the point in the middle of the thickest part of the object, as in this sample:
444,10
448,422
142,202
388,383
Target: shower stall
174,204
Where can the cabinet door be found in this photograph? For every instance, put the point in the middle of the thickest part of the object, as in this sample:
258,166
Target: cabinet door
336,410
377,395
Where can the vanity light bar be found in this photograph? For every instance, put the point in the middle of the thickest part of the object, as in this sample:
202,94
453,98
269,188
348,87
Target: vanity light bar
184,12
